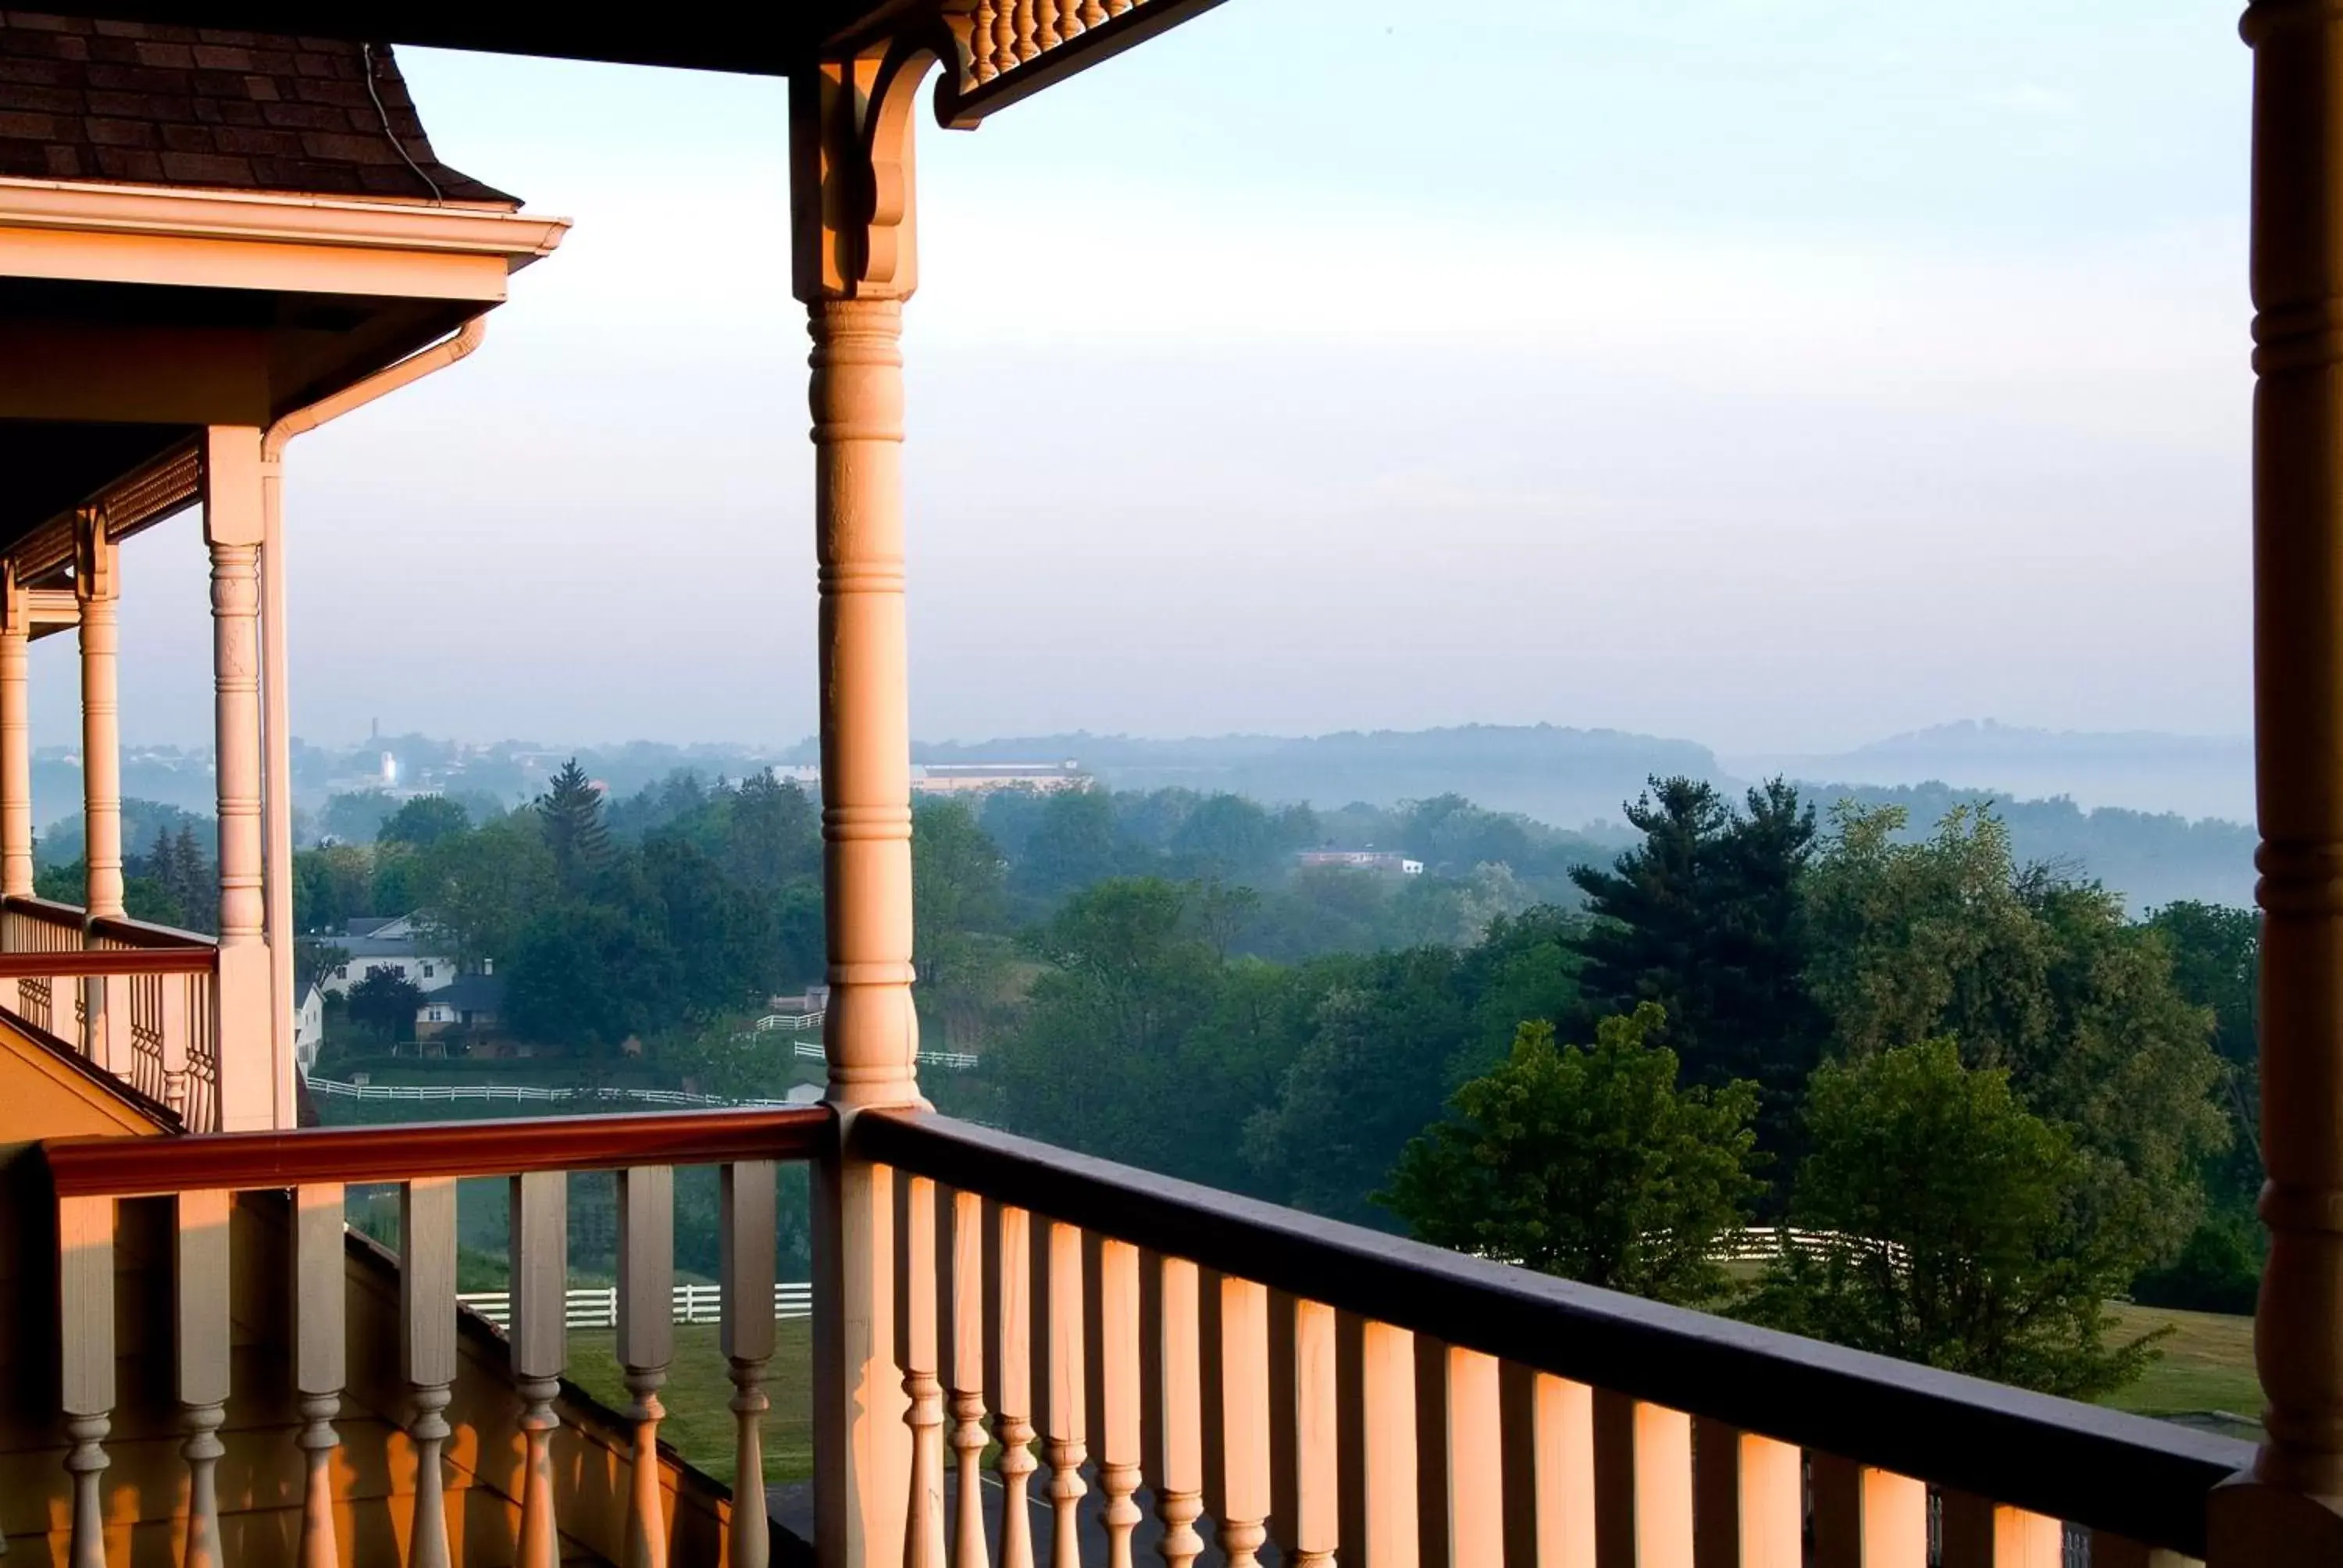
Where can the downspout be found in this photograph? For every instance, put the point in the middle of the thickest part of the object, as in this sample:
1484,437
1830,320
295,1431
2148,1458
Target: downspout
276,786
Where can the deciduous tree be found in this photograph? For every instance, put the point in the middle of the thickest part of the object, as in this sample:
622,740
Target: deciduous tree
1589,1163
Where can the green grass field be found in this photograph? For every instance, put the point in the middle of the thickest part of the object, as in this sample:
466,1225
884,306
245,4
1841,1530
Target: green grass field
2208,1364
699,1395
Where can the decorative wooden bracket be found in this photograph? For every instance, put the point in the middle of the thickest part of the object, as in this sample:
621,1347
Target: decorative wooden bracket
94,556
852,178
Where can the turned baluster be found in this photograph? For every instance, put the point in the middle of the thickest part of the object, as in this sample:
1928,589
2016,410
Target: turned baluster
1244,1420
1387,1397
1562,1461
1476,1460
748,1224
320,1355
924,1525
1045,25
1068,1448
979,59
1180,1491
1980,1533
426,1311
1749,1499
646,1344
1012,1424
1309,1531
200,1289
1643,1482
1090,15
1070,18
966,1378
1866,1518
538,1336
177,993
1117,8
1117,1358
1004,37
85,1314
1026,24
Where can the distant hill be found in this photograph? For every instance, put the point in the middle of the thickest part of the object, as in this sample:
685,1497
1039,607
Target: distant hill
2122,808
1564,777
2194,775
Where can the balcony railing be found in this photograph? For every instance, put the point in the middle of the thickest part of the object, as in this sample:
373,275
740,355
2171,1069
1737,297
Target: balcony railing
202,1177
135,997
1330,1388
1356,1392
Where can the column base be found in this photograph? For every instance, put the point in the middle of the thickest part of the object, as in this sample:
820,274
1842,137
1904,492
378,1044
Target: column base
2250,1523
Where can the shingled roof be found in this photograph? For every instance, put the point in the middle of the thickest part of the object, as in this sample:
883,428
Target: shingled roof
152,105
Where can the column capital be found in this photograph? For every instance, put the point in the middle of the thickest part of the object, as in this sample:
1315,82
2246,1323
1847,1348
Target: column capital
854,234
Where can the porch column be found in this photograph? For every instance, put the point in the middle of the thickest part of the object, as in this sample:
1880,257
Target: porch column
256,1085
16,738
277,779
96,584
851,145
2287,1510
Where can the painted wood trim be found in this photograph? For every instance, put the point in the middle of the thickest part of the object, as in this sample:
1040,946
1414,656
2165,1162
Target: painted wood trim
131,1167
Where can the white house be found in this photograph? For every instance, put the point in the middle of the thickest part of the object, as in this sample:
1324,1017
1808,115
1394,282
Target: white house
399,944
308,1027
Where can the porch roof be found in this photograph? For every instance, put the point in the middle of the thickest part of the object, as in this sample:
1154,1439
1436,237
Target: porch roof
158,105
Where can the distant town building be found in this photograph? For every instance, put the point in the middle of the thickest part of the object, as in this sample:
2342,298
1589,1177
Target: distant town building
1383,860
962,778
976,777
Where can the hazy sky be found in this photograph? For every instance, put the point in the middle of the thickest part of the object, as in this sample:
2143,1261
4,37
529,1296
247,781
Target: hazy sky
1776,373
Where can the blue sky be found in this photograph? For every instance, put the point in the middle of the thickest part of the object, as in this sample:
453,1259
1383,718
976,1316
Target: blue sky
1778,373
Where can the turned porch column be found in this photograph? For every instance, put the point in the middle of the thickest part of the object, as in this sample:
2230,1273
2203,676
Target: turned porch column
256,1085
2287,1509
16,737
851,188
96,586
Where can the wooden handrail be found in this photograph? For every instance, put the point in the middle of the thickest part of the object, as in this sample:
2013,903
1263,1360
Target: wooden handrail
241,1161
149,934
47,910
2141,1478
82,963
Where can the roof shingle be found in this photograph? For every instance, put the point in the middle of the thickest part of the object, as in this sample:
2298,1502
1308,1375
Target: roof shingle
83,100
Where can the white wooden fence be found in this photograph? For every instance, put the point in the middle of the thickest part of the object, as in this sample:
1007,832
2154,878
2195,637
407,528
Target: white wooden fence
1759,1245
811,1051
597,1306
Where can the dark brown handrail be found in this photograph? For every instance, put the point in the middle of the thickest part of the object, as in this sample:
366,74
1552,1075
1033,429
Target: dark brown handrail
82,963
48,910
149,934
2141,1478
242,1161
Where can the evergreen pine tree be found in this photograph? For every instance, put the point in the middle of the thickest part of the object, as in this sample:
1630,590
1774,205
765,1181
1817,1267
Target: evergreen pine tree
193,885
1703,918
572,811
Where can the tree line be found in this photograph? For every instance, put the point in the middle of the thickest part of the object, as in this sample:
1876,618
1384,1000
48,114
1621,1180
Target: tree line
2015,1100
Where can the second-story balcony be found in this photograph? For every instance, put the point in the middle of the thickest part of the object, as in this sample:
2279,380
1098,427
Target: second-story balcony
1020,1356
